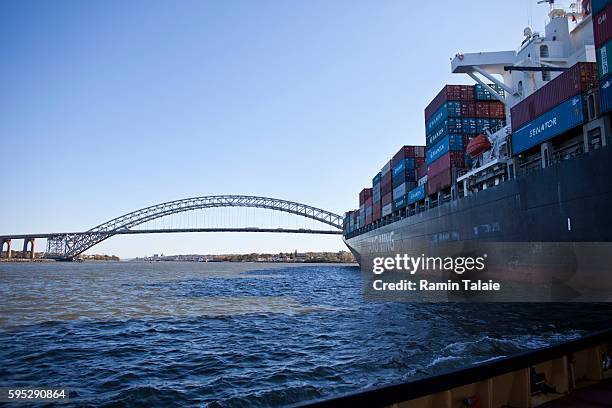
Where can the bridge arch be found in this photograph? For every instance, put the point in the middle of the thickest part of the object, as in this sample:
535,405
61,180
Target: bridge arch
69,246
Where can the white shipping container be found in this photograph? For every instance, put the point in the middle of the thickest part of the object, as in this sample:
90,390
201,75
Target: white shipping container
387,209
399,191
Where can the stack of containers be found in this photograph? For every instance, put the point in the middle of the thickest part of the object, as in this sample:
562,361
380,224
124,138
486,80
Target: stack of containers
350,221
554,109
450,119
602,29
365,206
356,220
489,113
404,177
386,190
376,197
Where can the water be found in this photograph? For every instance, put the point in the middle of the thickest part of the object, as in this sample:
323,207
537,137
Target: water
238,335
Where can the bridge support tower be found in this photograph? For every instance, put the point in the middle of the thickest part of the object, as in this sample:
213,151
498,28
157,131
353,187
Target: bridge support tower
8,248
30,241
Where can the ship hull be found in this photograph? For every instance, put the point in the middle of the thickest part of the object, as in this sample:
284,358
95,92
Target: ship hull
555,224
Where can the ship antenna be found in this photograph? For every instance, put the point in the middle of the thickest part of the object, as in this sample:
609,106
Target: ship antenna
551,2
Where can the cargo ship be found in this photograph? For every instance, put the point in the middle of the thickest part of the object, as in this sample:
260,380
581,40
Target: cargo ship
516,166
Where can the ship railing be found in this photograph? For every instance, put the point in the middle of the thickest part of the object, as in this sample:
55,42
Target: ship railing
522,380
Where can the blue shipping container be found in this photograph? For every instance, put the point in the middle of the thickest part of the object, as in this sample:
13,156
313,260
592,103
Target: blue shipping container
561,118
449,126
450,109
449,143
483,124
416,194
377,178
468,126
409,163
605,95
399,203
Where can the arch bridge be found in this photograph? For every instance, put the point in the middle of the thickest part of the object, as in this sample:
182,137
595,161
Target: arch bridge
68,246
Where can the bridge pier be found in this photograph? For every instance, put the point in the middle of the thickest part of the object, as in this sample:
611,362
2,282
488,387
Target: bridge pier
30,241
6,241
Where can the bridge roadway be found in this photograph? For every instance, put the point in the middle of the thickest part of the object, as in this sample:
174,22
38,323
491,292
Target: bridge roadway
178,230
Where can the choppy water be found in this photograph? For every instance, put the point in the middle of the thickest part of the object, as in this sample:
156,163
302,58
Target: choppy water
189,334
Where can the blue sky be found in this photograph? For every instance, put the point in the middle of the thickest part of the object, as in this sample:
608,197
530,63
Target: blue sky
110,106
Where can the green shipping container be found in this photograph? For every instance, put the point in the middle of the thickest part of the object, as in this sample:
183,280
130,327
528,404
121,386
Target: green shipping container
603,59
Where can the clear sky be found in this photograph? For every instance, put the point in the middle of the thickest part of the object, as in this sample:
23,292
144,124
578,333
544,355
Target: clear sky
110,106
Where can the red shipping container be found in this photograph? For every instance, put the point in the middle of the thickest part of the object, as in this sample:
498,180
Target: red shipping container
364,195
376,211
368,219
497,110
419,160
448,161
468,109
448,93
602,26
368,202
386,187
387,199
421,170
482,109
467,92
438,182
578,79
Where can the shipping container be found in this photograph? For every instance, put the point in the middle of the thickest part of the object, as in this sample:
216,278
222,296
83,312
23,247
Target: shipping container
399,203
368,219
387,198
482,109
602,26
449,143
416,194
376,179
605,95
483,94
407,152
449,160
497,110
386,183
482,125
421,171
387,209
449,126
451,109
408,163
376,193
598,6
439,182
423,180
405,176
376,211
399,191
468,126
576,80
467,92
565,116
386,169
603,60
468,109
449,93
364,195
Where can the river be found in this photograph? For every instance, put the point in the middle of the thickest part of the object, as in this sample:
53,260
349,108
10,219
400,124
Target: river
242,334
